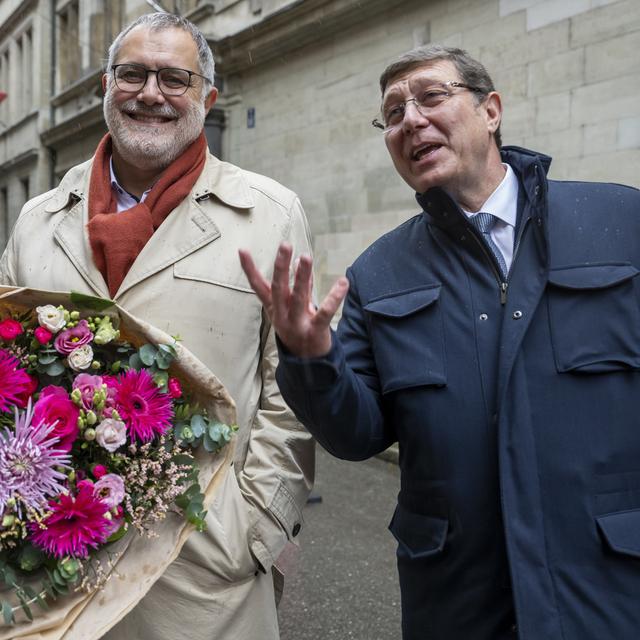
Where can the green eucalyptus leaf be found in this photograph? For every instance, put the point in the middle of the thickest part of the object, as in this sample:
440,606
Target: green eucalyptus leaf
8,575
55,369
90,302
135,362
163,360
215,431
209,445
7,612
147,353
25,607
198,425
46,358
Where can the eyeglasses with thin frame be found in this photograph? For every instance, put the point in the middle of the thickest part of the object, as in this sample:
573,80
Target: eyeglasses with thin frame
428,99
131,78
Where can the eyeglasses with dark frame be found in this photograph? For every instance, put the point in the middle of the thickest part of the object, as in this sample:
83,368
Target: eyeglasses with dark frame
131,78
428,99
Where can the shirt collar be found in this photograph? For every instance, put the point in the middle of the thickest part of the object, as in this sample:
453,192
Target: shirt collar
503,202
124,199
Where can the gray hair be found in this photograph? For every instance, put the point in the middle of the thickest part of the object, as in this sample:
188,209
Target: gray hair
161,21
470,70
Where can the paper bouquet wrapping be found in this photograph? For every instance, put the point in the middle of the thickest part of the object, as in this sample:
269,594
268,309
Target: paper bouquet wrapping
113,440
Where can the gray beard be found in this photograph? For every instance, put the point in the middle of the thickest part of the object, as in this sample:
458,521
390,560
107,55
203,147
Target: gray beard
139,146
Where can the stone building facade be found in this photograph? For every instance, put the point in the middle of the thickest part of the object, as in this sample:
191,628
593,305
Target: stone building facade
298,81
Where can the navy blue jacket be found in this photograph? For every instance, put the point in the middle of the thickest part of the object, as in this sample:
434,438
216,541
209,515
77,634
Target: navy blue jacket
516,407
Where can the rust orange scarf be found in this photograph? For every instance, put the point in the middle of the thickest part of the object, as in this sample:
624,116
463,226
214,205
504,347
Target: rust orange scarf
117,238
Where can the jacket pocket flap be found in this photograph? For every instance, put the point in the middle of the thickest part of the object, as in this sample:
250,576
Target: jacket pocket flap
622,531
400,305
597,276
419,535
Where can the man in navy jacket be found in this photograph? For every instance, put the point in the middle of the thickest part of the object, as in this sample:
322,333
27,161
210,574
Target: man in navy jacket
502,352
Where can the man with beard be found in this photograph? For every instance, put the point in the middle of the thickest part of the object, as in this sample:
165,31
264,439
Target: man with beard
154,222
496,337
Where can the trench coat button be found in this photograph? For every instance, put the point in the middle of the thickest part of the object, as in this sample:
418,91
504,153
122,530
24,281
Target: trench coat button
483,316
517,314
296,529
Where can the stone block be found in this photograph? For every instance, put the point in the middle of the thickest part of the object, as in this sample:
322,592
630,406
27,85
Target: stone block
518,120
600,137
618,98
606,22
613,57
557,144
544,13
557,73
508,7
462,19
629,134
553,112
526,47
478,37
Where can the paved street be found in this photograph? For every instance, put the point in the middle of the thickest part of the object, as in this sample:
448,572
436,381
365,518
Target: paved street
343,583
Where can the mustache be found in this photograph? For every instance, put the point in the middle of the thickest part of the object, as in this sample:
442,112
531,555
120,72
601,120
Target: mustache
133,107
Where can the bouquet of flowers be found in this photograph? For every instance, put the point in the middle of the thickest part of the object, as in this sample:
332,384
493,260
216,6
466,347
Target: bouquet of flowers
110,432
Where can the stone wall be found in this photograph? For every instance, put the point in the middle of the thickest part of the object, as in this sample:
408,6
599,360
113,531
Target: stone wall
568,72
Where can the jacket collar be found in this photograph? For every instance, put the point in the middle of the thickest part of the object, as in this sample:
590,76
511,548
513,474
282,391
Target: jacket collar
530,168
189,228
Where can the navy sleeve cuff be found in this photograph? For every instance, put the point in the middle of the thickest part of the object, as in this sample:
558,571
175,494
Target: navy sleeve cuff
311,373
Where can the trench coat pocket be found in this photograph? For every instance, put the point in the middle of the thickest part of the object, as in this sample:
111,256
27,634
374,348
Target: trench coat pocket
621,531
594,317
407,337
418,535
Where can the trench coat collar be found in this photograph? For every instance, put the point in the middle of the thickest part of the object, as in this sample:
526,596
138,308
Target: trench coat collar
187,229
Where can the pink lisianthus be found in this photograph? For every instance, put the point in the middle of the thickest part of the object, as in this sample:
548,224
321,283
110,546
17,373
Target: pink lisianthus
110,489
88,386
10,329
75,525
174,388
71,339
56,408
42,335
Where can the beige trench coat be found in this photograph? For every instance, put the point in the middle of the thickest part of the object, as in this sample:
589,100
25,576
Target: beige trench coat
187,281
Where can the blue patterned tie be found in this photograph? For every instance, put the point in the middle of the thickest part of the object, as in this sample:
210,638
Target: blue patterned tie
484,222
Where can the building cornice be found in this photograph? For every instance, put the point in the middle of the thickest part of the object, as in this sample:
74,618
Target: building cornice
275,36
25,157
16,17
59,135
90,83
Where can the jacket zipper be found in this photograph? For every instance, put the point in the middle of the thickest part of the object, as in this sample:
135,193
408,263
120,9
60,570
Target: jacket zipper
502,284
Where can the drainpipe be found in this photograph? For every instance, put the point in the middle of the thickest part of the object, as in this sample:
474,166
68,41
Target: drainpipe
52,80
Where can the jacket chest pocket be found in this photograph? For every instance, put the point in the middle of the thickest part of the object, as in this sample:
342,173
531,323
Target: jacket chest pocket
408,338
594,318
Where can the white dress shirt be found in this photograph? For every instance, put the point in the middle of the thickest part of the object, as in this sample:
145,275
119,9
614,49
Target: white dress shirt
124,199
503,204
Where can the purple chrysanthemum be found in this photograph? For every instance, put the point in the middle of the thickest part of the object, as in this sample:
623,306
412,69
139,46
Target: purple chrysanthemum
75,525
29,464
145,409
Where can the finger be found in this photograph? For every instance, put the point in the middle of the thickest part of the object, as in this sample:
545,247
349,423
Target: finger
330,304
280,282
257,281
301,293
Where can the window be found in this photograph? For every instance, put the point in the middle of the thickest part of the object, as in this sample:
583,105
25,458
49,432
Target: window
4,215
68,44
4,86
26,77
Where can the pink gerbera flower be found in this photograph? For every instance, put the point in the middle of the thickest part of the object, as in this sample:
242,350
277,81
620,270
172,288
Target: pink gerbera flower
76,524
145,409
15,383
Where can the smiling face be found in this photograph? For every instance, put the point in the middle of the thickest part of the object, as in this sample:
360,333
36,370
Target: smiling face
150,130
451,147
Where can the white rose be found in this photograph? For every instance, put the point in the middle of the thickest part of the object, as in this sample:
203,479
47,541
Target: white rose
81,358
51,318
111,434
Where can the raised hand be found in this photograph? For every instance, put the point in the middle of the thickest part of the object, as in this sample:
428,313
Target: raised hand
303,329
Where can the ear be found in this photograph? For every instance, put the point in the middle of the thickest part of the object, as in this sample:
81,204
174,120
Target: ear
105,77
210,100
493,111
